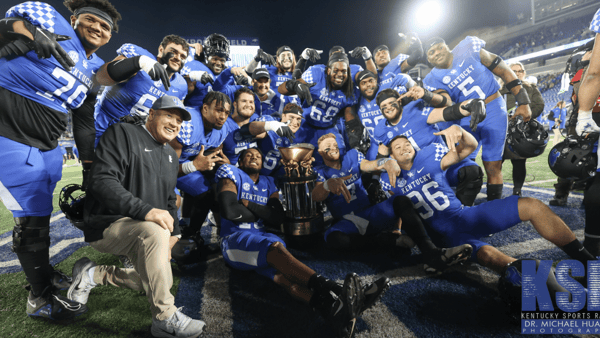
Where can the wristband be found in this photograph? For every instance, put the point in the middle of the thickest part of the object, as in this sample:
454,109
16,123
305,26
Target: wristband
522,97
427,95
382,161
452,113
188,167
326,186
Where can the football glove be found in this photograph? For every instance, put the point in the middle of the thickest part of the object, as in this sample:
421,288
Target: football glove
155,70
266,58
281,129
202,76
301,89
477,109
45,44
363,52
311,54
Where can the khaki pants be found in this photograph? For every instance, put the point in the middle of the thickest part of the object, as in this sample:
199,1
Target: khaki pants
146,244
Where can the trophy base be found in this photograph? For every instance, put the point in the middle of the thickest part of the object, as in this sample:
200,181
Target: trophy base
303,234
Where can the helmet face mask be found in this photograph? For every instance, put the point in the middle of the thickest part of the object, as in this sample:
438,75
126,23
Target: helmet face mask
574,158
526,139
216,44
71,201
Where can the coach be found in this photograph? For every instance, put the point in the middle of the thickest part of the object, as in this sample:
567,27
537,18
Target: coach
130,210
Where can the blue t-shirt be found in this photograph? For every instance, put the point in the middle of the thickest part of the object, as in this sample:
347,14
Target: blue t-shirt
136,95
258,193
467,78
350,166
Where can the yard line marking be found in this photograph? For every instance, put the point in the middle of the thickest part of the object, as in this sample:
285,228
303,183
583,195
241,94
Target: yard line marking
53,250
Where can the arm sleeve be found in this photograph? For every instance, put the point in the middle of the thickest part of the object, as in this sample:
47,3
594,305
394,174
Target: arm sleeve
111,164
272,213
232,210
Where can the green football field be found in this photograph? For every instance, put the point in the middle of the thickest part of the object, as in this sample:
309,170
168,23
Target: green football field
125,313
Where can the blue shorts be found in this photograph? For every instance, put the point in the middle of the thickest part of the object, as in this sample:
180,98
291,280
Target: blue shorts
195,183
28,177
491,133
373,220
308,134
472,223
247,250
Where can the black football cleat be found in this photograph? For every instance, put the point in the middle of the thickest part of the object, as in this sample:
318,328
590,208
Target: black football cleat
373,292
438,261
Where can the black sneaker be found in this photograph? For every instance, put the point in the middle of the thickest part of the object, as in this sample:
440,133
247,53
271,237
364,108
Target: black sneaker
53,306
373,292
346,307
60,281
437,262
558,201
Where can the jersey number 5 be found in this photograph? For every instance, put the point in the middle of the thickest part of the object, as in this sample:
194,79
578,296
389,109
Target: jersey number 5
475,89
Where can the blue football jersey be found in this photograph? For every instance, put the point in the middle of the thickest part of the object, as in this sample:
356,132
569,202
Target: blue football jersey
326,104
350,166
134,96
369,112
194,99
467,78
426,185
192,136
595,24
44,80
236,142
413,125
258,193
277,79
271,155
354,69
387,74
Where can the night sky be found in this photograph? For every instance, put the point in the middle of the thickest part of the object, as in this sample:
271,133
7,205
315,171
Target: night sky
299,24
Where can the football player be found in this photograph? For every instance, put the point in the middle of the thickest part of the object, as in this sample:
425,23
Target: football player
417,121
326,94
199,146
587,98
249,202
357,224
201,72
387,68
467,72
449,223
137,90
47,66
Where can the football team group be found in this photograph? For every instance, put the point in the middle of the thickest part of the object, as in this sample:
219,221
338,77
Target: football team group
177,129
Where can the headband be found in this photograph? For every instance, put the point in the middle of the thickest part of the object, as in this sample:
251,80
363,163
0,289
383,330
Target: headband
97,12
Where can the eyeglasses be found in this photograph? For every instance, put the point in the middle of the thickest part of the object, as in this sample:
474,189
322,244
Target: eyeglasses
519,71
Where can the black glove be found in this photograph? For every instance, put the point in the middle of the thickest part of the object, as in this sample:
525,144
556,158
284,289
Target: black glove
159,72
415,51
477,109
266,58
301,89
362,52
285,131
45,44
17,48
241,80
311,54
206,78
358,137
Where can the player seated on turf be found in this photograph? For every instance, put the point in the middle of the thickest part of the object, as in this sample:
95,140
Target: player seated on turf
359,225
449,223
249,201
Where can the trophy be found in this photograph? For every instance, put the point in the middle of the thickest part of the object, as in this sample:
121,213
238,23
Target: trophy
302,217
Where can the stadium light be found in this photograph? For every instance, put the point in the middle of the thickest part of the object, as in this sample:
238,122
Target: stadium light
548,51
427,17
